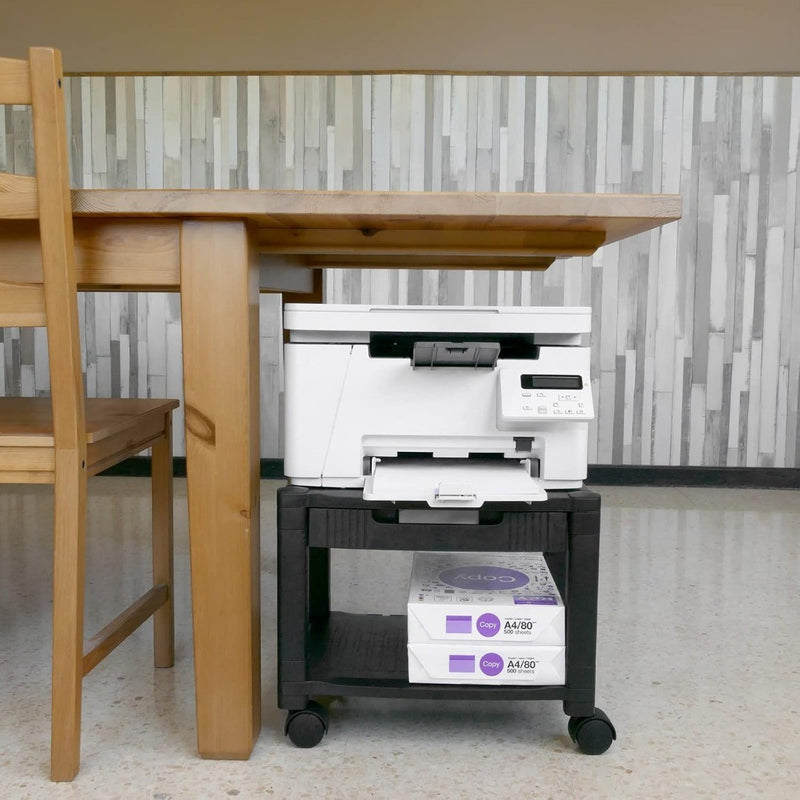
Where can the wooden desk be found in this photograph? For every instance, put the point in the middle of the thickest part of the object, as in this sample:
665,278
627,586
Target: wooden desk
207,245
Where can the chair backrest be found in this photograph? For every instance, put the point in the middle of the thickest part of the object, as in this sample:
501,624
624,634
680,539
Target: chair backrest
48,297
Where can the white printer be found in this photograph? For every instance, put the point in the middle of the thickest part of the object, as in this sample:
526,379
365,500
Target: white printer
453,406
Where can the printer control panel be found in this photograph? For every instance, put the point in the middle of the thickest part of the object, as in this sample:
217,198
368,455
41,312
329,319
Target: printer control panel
550,403
526,397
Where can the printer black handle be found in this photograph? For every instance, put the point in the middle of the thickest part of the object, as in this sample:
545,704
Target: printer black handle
452,349
455,354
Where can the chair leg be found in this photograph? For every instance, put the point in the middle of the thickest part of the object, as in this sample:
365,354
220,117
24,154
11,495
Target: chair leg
163,618
69,549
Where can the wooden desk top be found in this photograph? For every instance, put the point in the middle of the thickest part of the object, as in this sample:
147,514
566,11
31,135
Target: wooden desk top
404,229
132,239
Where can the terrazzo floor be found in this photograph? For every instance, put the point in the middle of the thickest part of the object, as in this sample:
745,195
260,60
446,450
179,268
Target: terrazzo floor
698,652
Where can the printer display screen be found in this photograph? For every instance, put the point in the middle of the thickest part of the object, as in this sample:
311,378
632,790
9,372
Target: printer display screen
552,382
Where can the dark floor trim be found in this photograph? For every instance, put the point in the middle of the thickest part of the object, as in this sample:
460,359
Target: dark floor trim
272,468
139,467
599,474
730,477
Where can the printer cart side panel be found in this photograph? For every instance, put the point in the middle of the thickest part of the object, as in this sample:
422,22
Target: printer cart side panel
293,595
581,608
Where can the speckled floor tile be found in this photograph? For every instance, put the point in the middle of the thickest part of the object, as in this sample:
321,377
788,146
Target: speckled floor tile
698,652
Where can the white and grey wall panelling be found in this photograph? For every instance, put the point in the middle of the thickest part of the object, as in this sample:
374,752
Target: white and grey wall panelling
696,343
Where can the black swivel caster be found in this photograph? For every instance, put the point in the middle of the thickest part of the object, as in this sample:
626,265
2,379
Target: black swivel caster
593,734
306,727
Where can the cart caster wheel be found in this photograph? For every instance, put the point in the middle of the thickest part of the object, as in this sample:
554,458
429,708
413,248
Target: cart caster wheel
593,734
305,728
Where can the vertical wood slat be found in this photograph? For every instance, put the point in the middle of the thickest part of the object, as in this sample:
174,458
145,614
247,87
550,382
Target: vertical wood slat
55,222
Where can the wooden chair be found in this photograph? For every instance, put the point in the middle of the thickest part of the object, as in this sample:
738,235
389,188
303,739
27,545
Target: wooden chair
66,438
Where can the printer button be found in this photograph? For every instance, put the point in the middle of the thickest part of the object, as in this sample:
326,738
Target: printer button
542,409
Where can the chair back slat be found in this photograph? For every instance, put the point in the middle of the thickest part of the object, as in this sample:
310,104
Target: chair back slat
19,198
15,82
22,305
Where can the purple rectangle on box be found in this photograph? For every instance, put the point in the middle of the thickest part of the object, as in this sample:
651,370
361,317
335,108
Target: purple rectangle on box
535,600
462,664
455,624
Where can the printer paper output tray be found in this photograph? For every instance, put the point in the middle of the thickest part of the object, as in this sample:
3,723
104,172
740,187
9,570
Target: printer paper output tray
452,482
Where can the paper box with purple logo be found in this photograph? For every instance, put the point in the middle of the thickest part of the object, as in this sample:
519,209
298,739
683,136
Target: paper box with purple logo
484,597
475,662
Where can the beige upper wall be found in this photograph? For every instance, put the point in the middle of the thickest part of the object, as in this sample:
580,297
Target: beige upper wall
514,36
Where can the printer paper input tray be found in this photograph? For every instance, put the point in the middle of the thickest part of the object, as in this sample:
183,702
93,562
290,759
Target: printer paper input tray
452,482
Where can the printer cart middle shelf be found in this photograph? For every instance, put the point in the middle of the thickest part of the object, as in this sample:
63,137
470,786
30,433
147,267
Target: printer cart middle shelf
324,652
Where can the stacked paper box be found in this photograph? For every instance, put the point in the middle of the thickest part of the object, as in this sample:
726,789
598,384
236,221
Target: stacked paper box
484,618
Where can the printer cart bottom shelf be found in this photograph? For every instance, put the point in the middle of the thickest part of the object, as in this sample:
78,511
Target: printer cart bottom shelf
328,653
365,655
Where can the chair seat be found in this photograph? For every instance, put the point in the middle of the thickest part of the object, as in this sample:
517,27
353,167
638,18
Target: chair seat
115,429
28,421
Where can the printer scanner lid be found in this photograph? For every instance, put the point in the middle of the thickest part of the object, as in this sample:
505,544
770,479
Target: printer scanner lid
310,317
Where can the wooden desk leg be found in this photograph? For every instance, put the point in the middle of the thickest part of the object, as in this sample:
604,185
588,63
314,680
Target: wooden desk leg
219,310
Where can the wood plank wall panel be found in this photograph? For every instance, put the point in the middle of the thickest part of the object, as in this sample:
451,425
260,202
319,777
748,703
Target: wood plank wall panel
696,344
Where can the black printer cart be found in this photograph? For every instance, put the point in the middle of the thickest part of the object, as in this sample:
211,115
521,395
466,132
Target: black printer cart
323,652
